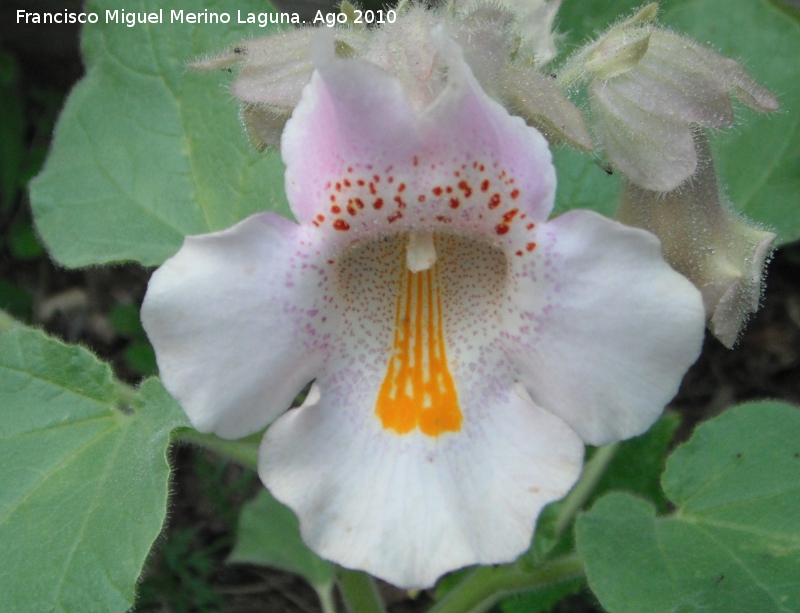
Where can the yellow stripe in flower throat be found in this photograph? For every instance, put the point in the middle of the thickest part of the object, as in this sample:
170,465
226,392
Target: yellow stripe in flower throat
418,390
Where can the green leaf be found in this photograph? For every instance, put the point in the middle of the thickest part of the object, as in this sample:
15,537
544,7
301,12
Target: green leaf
638,463
22,242
733,544
146,151
125,320
141,358
84,477
16,300
757,159
269,535
542,600
583,184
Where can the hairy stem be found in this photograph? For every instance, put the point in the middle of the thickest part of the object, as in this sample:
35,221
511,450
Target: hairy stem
244,450
591,474
326,599
359,592
487,584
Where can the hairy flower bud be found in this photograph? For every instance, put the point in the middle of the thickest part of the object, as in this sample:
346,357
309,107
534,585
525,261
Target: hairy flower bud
275,69
716,250
534,26
542,104
647,86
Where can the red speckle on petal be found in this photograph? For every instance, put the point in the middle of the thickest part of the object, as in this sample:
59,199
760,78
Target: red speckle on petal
530,226
351,210
485,185
454,203
514,194
347,182
377,204
510,215
360,182
349,169
416,161
330,261
448,189
456,173
482,168
519,253
335,210
501,228
376,178
443,218
401,188
494,201
394,216
320,217
359,203
530,246
421,197
333,198
338,187
372,189
464,186
437,191
400,202
341,224
390,179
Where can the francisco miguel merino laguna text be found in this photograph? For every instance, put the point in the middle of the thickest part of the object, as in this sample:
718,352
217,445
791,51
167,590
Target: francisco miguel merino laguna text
130,19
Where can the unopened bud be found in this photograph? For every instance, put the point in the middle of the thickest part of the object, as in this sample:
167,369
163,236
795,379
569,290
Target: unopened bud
701,239
542,104
534,27
484,35
647,86
275,69
407,51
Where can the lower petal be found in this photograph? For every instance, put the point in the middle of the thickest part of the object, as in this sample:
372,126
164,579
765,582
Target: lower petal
411,507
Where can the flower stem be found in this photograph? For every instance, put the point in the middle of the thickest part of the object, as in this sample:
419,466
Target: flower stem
326,600
244,451
488,584
590,476
359,592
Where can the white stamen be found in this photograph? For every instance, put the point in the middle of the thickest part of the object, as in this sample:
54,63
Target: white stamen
420,251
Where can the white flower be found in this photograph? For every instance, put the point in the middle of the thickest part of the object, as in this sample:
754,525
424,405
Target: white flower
464,347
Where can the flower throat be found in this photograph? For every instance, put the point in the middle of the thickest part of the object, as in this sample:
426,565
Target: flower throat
418,390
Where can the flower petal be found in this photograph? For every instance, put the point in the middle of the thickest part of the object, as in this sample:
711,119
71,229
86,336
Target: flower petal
237,319
409,508
655,152
605,328
357,153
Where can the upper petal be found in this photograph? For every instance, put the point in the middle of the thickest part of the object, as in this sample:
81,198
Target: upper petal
238,322
604,329
359,155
